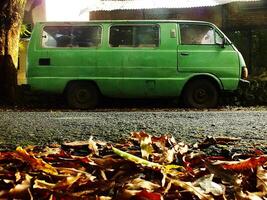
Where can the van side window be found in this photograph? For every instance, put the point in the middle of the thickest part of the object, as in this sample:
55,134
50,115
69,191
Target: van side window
71,36
134,36
196,34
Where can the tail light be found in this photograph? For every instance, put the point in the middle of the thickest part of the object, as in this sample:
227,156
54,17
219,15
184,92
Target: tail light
244,73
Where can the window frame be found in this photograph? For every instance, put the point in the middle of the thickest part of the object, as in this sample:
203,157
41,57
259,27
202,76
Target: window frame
72,25
198,24
135,47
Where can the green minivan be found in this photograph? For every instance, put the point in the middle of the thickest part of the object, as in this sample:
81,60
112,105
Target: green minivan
84,61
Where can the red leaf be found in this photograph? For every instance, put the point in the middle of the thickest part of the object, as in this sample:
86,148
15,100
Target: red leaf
247,164
139,135
145,195
7,156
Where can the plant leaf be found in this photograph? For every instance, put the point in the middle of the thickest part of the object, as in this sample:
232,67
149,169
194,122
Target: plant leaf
188,186
208,186
136,159
248,164
139,183
146,147
262,179
145,195
36,163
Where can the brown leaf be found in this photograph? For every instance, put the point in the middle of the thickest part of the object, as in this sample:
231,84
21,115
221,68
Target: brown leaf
146,147
206,184
262,179
218,171
21,190
139,183
93,146
139,135
189,187
36,163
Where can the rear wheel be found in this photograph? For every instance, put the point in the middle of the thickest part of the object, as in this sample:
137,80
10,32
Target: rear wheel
82,95
201,93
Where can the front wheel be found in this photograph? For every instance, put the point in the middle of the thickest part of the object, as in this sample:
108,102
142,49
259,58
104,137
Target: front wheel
82,95
201,93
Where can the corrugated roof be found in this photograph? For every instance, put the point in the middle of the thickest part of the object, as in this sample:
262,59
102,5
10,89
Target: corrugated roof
108,5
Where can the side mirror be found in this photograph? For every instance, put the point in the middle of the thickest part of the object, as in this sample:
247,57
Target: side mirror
223,42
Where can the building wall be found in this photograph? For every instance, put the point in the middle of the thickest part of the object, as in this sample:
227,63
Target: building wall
245,15
212,14
246,25
34,11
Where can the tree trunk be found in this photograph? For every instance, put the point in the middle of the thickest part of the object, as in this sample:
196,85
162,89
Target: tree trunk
11,16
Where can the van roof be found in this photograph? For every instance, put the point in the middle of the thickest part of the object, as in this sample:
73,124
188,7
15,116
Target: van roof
125,21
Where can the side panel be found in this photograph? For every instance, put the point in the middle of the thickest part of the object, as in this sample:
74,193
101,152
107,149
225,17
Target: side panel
146,71
222,62
109,72
51,68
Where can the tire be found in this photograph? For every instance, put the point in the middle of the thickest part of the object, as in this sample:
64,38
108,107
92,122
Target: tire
201,93
82,95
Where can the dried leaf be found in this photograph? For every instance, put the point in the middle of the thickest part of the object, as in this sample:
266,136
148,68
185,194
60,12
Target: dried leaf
36,163
173,170
248,196
181,148
145,195
146,147
139,135
139,184
262,179
93,146
103,198
208,186
20,189
188,186
94,171
226,175
50,151
169,155
160,142
41,184
248,164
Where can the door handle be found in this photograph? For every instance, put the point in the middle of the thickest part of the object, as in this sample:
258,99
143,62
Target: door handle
184,54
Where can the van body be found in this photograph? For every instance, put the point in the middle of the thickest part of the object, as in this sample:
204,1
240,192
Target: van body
133,59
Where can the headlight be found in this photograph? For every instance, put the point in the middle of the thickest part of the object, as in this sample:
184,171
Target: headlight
244,73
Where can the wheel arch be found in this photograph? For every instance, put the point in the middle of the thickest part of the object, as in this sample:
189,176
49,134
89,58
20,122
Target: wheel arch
209,77
89,82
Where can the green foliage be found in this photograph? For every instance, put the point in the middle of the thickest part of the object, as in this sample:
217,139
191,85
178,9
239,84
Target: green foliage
24,33
24,30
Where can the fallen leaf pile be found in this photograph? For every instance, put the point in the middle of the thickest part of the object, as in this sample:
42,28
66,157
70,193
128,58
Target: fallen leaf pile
144,167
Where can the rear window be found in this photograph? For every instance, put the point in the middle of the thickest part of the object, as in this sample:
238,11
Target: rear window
134,36
196,34
71,36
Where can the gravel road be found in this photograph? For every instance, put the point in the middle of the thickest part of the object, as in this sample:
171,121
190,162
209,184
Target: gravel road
39,128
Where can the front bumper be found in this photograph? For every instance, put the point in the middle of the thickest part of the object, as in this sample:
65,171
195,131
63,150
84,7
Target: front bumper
243,83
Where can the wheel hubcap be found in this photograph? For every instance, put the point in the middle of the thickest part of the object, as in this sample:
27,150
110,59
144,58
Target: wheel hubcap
83,96
200,95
